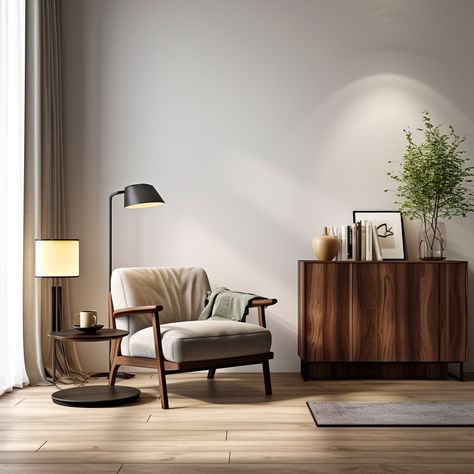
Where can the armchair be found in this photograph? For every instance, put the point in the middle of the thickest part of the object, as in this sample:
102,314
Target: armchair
160,309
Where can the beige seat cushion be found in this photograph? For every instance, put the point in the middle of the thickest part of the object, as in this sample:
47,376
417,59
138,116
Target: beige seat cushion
188,341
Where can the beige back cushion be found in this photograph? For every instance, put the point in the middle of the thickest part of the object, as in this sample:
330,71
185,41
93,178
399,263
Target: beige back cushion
181,292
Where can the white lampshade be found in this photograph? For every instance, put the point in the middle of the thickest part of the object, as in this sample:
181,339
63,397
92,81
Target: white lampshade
57,258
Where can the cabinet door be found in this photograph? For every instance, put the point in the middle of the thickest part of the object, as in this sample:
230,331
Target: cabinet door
395,312
326,307
453,312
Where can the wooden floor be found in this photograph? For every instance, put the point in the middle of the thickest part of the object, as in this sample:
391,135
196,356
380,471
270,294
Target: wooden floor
229,425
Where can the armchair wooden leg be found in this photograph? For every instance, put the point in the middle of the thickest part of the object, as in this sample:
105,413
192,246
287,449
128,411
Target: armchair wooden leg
114,367
211,373
159,359
163,388
266,377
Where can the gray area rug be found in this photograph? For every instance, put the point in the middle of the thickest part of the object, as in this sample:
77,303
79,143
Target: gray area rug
392,413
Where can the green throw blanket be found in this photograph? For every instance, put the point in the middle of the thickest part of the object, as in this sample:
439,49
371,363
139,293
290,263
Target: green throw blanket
223,303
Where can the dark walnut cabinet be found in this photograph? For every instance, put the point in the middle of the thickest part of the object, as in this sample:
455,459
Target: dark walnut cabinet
381,319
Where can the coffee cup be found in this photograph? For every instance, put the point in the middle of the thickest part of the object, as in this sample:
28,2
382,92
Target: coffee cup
87,319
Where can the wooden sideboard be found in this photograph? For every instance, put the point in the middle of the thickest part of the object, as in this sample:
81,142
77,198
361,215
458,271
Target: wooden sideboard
390,319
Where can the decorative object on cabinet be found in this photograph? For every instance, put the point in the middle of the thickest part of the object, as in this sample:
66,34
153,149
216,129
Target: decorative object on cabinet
390,232
432,241
434,183
56,259
325,246
389,319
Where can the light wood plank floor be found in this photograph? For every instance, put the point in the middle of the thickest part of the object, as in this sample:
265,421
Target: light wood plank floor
229,425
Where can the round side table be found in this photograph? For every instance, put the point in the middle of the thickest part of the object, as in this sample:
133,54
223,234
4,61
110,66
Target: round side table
94,395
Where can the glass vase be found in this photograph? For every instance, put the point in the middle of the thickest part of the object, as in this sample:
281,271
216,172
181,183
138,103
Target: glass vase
432,244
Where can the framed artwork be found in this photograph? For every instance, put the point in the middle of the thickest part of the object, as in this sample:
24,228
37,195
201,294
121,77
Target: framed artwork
389,225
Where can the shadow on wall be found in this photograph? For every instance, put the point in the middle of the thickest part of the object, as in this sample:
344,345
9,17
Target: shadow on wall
329,162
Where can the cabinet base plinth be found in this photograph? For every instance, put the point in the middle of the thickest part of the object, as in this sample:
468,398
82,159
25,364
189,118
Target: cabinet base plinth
374,370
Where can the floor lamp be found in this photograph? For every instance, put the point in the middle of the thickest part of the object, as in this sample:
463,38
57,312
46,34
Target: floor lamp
136,196
56,258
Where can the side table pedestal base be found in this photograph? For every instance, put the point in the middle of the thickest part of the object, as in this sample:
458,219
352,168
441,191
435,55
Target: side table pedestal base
96,396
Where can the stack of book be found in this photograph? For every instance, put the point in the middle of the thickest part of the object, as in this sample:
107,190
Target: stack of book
357,241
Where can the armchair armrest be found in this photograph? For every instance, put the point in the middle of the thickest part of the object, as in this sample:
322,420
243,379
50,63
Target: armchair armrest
134,310
255,303
261,304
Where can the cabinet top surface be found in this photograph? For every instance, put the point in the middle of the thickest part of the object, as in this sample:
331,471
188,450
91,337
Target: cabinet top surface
358,262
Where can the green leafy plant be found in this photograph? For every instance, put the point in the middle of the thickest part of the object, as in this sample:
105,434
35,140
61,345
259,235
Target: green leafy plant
434,179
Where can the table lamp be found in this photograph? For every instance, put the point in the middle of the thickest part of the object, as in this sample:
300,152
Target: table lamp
56,258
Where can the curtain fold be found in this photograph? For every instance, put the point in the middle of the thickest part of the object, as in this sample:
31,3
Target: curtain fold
12,73
32,206
45,211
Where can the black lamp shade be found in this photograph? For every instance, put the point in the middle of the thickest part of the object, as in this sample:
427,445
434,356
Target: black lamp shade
141,195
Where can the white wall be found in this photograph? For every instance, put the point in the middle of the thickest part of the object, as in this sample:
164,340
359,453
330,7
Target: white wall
259,121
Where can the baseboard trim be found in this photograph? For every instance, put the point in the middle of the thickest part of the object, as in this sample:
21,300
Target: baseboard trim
374,370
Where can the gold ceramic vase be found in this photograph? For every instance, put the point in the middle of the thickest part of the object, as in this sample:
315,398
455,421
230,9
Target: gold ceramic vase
325,246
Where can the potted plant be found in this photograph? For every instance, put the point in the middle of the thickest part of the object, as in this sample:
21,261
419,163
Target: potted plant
433,184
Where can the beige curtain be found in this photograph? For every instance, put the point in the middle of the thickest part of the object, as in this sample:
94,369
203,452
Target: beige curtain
45,215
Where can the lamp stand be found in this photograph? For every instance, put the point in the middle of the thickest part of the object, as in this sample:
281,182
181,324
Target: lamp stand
135,196
56,306
120,375
116,193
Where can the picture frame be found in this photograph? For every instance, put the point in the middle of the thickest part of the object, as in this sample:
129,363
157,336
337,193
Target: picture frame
389,225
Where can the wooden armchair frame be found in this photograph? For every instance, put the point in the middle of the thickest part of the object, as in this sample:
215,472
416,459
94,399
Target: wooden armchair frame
166,367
